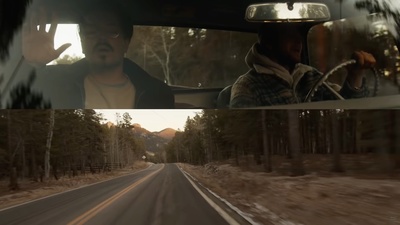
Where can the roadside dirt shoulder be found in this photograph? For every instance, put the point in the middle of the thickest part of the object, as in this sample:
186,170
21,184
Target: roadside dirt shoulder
309,199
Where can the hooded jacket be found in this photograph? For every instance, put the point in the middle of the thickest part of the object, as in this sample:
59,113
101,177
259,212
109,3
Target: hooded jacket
268,83
64,86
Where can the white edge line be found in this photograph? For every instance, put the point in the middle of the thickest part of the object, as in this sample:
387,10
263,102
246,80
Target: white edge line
220,211
59,193
234,208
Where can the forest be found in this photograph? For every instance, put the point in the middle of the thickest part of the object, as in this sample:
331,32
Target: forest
265,135
39,144
48,144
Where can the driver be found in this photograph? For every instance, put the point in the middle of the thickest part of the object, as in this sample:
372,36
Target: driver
104,78
277,77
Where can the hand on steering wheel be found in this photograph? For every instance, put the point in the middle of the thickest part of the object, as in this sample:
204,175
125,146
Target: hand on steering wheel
361,60
364,60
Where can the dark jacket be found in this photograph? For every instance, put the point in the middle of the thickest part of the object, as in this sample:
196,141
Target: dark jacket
268,83
64,85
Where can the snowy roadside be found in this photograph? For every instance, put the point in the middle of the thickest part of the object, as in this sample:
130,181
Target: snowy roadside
30,190
304,200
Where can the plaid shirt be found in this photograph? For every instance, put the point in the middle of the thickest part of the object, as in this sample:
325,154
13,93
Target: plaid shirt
264,85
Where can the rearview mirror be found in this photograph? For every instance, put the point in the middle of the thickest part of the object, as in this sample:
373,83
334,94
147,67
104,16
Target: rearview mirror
286,12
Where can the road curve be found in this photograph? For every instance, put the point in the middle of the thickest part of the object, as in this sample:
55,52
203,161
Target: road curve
159,195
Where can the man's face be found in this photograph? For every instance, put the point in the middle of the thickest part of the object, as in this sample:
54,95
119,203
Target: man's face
102,40
289,44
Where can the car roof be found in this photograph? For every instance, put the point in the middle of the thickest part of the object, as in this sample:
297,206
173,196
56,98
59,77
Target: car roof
217,14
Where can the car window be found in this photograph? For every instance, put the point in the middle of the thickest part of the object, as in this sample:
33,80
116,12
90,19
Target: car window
68,33
333,42
190,57
201,60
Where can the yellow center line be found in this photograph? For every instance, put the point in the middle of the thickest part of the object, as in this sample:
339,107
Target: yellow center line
95,210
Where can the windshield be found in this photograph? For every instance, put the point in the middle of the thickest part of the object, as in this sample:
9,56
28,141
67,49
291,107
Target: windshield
185,62
190,57
332,43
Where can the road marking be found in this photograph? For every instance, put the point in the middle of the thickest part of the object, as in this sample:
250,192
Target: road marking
216,207
95,210
240,213
84,186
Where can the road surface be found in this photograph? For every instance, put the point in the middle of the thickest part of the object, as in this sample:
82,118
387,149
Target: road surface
158,195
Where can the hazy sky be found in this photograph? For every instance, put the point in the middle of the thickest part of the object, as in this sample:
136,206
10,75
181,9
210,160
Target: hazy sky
153,120
68,33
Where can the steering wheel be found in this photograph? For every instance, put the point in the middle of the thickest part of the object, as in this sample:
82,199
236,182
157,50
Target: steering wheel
323,78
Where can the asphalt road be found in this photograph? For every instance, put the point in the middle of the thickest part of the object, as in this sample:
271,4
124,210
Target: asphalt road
158,195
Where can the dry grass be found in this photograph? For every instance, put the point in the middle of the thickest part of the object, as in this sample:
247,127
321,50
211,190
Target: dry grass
309,199
30,190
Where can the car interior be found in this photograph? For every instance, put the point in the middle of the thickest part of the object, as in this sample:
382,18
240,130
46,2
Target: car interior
208,41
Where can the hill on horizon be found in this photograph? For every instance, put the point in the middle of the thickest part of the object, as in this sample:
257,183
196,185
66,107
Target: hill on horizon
167,133
154,141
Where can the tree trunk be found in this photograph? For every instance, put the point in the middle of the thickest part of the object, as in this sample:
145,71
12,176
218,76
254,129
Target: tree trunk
287,149
83,165
69,170
74,170
380,132
48,145
55,172
117,149
235,149
295,143
336,165
267,155
13,185
210,148
41,173
344,138
357,133
91,168
304,128
104,162
13,179
396,136
23,170
34,166
328,134
257,149
317,134
271,147
177,153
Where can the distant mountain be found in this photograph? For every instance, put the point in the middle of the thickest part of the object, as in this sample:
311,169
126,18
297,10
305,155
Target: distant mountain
139,129
153,142
167,133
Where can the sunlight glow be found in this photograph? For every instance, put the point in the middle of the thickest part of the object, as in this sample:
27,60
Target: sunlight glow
68,33
153,120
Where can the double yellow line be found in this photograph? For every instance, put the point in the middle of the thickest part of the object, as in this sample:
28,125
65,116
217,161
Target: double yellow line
94,211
